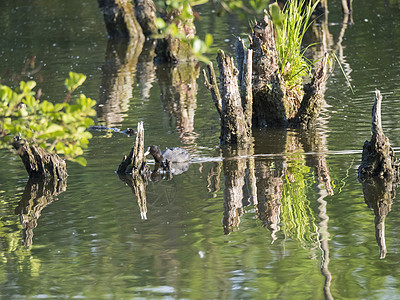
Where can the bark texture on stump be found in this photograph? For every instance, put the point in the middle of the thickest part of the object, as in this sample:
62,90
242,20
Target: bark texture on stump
313,97
171,49
135,162
378,159
146,15
119,16
234,107
38,162
256,94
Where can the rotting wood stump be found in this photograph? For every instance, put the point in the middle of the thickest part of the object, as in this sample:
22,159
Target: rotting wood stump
234,98
256,94
135,162
38,162
378,158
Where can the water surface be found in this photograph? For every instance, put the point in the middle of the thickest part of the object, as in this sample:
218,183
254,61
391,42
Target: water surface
291,231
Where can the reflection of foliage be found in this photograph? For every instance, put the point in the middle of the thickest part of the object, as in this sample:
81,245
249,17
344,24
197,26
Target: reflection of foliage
296,214
60,127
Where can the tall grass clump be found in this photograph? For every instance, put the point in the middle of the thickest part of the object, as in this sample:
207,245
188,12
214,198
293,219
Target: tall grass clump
291,25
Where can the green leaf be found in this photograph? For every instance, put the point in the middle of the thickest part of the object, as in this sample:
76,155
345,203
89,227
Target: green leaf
208,40
160,24
80,160
74,81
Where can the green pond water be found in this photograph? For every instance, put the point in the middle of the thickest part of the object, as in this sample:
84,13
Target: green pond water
286,221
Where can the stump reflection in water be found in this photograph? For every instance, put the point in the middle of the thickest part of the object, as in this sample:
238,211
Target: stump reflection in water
118,74
378,195
178,86
37,195
277,187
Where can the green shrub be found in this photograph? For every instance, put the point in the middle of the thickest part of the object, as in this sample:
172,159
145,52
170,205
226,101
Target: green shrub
59,128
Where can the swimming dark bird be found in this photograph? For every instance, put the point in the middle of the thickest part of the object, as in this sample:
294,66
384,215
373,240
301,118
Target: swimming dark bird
173,155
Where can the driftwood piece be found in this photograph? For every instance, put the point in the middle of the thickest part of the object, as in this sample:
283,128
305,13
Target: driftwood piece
378,159
38,162
120,20
135,162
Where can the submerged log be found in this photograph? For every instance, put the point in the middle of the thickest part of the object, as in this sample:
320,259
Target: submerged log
38,162
119,16
135,162
378,159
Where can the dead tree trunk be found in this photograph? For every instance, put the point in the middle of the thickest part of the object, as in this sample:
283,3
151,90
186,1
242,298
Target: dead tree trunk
135,162
257,94
119,16
39,163
378,159
146,14
171,49
235,107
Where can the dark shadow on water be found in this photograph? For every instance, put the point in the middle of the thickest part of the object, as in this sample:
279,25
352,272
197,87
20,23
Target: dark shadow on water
37,195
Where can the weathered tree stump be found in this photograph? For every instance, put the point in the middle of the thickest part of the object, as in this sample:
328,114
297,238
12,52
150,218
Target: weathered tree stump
256,94
120,20
378,173
38,162
146,15
172,49
378,159
135,162
235,104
